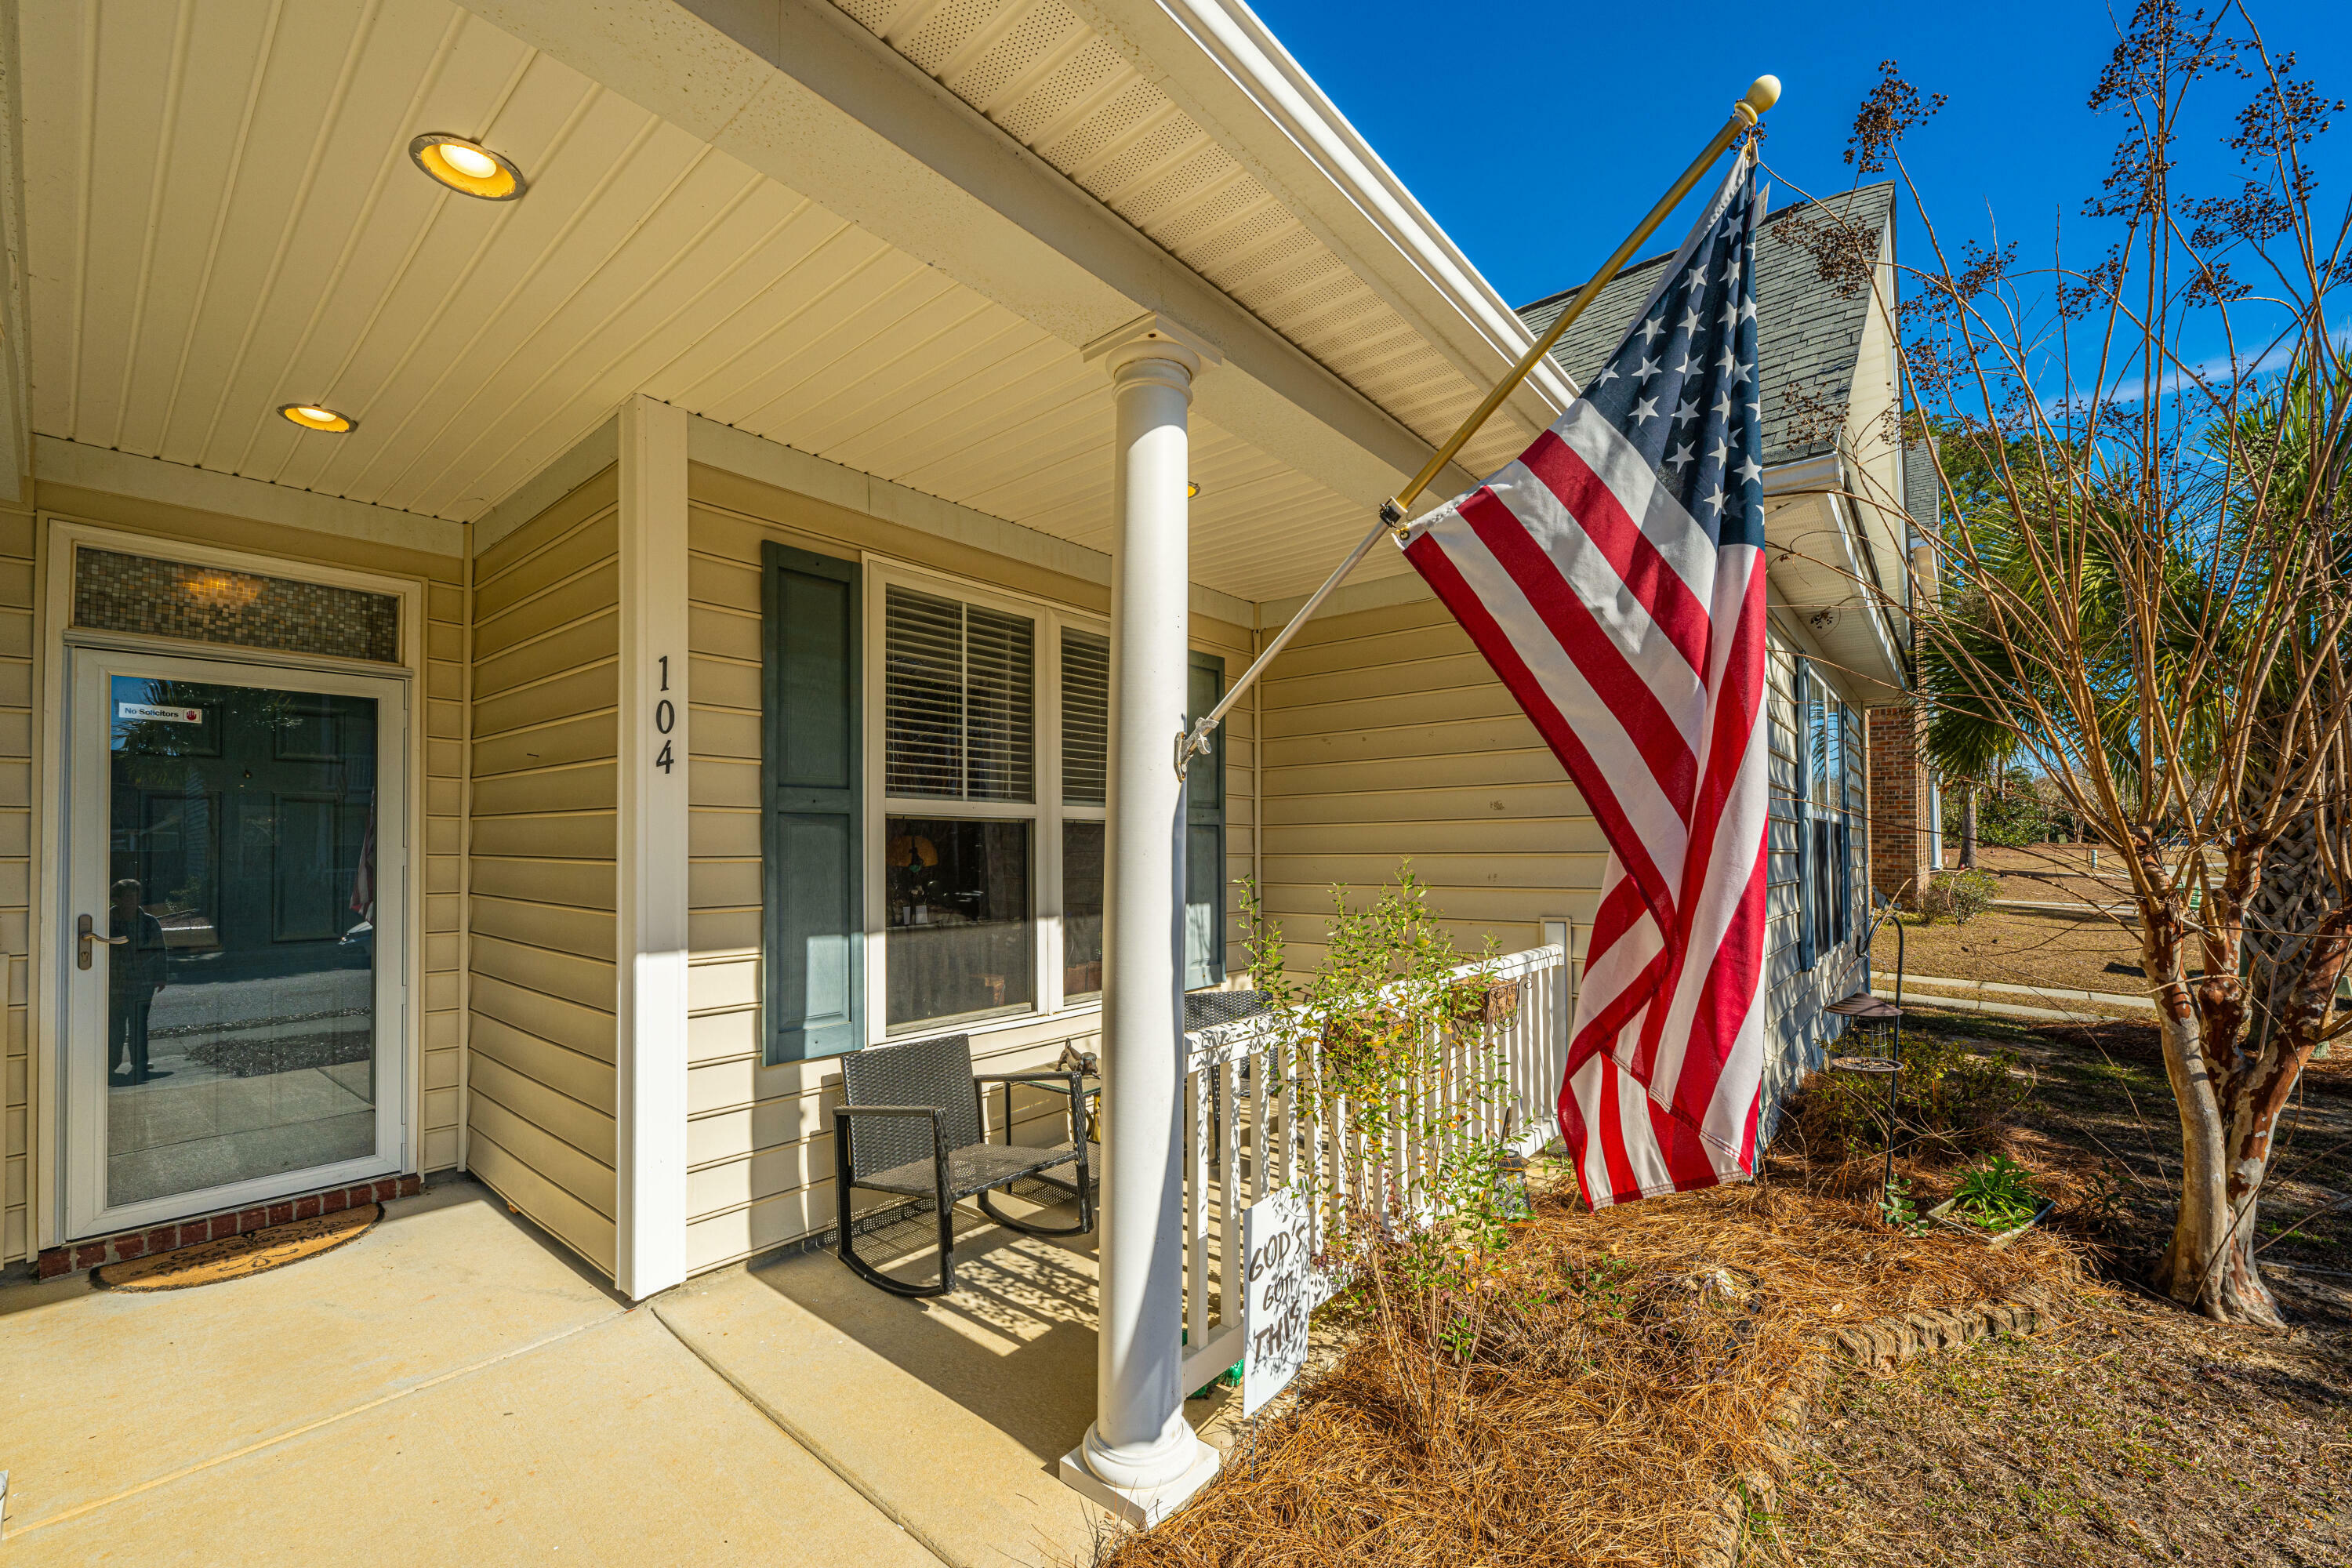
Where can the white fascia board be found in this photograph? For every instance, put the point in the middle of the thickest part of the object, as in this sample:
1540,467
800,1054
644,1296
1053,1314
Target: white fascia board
799,92
61,462
1223,67
1811,564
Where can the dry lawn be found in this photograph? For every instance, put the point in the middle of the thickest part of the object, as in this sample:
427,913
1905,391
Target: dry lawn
2019,948
2132,1432
2052,873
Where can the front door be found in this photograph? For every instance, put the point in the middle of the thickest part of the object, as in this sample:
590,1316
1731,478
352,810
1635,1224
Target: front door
232,955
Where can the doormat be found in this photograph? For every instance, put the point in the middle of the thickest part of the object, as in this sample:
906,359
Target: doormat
235,1256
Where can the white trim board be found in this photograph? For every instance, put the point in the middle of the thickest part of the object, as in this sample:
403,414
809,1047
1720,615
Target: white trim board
59,461
1405,587
719,445
651,860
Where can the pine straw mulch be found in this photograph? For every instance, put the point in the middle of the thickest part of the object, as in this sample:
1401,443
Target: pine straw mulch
1626,1362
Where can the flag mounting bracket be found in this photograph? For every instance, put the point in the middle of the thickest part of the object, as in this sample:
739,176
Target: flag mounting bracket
1760,96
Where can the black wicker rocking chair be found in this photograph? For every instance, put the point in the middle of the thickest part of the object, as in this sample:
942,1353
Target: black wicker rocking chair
911,1124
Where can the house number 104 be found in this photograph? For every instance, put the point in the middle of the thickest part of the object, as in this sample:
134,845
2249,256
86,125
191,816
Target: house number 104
665,719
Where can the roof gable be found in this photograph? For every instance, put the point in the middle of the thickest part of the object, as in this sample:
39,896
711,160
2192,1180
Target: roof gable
1809,330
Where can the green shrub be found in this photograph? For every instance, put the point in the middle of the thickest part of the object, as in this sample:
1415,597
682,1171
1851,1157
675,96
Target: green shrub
1958,896
1949,1101
1996,1195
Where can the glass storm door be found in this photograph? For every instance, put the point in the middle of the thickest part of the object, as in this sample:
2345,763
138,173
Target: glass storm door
232,952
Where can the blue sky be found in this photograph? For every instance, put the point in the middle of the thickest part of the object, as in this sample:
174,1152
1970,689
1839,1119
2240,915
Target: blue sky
1538,132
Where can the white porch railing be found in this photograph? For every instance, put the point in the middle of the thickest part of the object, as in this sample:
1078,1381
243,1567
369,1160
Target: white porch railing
1244,1136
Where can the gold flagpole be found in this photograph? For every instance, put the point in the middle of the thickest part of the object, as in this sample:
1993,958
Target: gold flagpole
1761,95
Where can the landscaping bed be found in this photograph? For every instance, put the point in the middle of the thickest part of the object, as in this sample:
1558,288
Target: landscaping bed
1625,1367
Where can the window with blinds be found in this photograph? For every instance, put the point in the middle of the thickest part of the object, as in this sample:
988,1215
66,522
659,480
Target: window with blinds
1086,718
959,699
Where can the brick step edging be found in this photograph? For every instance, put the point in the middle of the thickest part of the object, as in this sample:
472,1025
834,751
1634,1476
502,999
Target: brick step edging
1879,1346
97,1251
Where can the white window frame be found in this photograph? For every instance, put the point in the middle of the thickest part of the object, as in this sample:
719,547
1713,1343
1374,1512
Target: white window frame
1046,813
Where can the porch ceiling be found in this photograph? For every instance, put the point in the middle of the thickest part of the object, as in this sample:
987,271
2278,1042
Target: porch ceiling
221,218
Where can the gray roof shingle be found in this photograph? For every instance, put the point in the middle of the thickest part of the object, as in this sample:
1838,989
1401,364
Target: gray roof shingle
1923,493
1809,332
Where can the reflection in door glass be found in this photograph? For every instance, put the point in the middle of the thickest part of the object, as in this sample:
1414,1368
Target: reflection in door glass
241,978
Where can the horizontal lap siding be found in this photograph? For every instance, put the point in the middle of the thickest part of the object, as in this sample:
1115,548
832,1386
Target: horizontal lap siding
445,805
542,1082
1387,736
1791,992
759,1138
17,534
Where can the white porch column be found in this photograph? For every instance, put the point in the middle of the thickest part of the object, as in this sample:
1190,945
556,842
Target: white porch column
1140,1459
651,853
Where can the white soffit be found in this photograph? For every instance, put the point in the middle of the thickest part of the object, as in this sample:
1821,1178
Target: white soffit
1066,92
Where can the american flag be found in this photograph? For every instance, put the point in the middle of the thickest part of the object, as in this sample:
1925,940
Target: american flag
1613,578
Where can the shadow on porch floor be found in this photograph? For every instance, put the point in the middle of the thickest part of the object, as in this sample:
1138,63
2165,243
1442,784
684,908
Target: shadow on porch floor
950,1413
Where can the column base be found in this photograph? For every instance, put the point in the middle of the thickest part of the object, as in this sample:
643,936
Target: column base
1142,1507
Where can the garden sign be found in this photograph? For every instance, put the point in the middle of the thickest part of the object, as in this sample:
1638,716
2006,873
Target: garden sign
1283,1287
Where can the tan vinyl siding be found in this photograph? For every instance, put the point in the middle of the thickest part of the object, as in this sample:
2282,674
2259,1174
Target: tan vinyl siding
1386,737
759,1138
441,690
541,1078
16,595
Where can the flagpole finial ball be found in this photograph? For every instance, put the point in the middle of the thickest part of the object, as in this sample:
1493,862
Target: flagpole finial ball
1763,93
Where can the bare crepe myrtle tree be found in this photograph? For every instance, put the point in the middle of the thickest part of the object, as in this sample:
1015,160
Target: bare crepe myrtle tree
2143,552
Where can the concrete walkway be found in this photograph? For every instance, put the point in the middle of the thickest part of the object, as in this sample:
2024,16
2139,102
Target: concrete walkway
453,1388
2006,1009
2047,992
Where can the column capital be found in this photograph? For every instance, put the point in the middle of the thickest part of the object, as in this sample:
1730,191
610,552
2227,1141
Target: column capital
1152,336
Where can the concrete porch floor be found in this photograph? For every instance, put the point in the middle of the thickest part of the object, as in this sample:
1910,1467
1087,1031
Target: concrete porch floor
453,1387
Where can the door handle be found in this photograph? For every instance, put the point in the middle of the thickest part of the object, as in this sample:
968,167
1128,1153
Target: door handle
87,936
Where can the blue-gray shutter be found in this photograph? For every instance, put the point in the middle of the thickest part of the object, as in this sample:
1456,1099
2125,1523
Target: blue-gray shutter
814,818
1204,835
1803,686
1850,807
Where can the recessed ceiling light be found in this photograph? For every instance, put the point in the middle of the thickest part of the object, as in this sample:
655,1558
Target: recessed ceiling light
467,166
310,416
1191,490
